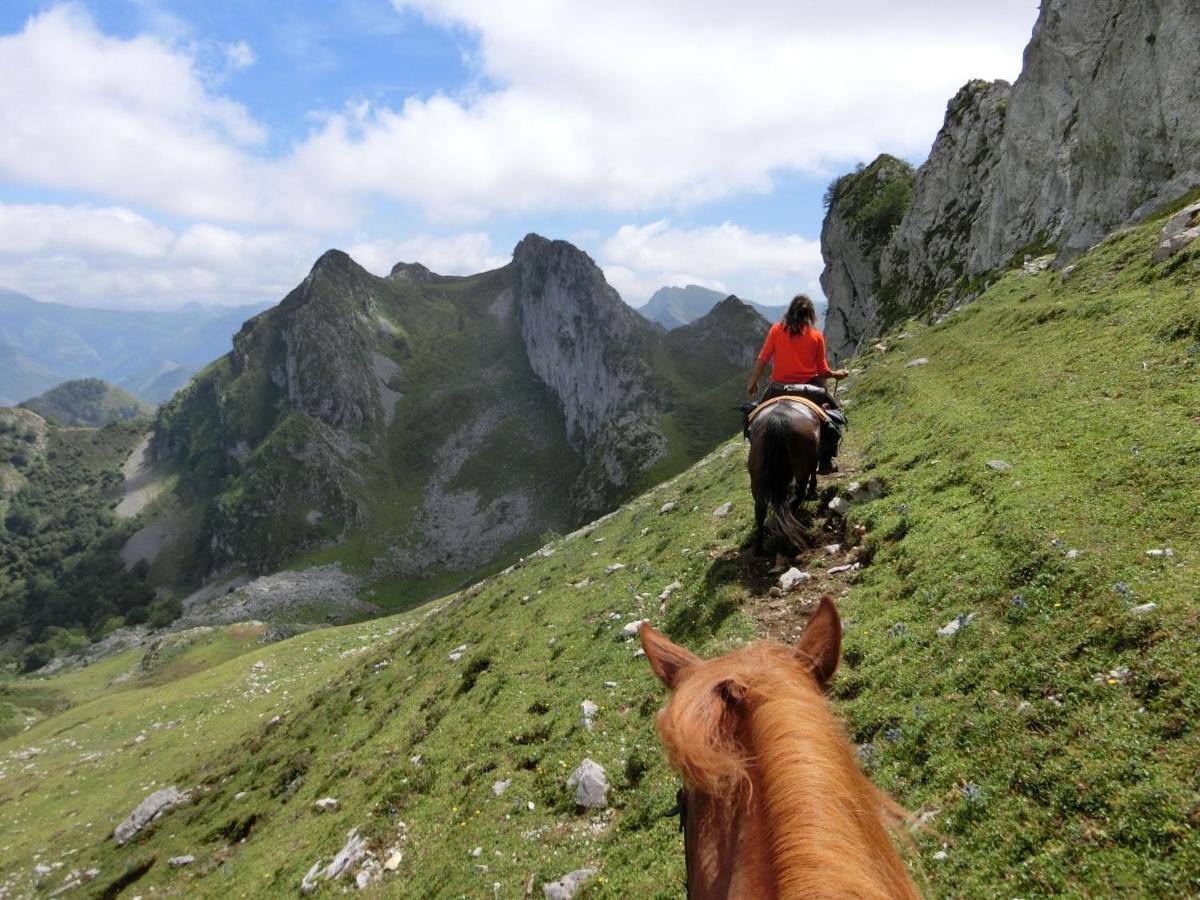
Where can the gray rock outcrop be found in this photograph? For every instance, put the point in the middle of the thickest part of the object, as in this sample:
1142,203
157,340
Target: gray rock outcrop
590,784
928,250
589,348
147,811
1099,129
862,210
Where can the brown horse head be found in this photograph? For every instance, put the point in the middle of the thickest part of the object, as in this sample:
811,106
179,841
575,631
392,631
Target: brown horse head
776,804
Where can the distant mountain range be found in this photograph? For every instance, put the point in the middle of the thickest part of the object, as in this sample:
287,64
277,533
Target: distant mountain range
672,307
151,354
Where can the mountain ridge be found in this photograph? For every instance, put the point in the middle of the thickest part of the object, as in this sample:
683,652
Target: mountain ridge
419,425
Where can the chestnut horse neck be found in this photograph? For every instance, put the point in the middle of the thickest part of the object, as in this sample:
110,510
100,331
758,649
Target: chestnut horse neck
778,806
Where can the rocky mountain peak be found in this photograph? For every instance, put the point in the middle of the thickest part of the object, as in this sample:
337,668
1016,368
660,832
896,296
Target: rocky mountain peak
414,273
1098,130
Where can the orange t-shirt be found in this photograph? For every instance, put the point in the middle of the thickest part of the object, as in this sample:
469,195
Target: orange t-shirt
797,357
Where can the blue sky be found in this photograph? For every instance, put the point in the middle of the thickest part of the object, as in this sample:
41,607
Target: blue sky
157,152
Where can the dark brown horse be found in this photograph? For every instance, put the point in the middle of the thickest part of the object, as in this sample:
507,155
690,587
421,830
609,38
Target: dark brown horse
785,446
776,805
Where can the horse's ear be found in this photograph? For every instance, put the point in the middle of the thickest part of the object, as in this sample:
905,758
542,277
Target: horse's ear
667,659
820,646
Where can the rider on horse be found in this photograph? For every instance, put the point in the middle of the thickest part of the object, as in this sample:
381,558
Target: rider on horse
796,350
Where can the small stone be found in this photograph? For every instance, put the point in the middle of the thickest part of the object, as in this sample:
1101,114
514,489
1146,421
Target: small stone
833,549
326,804
919,361
352,851
565,887
792,577
416,760
667,507
669,590
589,708
1074,554
998,465
956,624
775,591
477,852
1119,675
1161,553
457,653
631,629
611,685
849,567
394,860
645,531
839,505
176,861
240,794
590,784
615,567
147,811
501,786
723,510
309,883
1144,608
940,855
259,665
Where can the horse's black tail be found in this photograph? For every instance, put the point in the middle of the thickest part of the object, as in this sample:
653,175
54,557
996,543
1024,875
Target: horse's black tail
776,476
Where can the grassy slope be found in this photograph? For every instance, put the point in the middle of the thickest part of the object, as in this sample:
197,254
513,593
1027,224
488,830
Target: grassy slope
88,402
1046,780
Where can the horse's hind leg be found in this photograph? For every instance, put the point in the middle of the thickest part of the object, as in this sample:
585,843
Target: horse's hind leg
811,493
760,518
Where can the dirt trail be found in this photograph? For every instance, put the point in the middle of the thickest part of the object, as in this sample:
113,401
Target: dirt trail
782,616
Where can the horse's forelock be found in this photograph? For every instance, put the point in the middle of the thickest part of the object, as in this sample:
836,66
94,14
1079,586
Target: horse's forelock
699,726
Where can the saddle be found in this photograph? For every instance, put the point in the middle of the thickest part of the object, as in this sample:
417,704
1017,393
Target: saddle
821,412
833,420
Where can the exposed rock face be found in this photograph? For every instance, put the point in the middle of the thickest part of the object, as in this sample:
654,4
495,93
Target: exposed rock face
1099,129
327,326
1102,126
863,207
591,350
928,251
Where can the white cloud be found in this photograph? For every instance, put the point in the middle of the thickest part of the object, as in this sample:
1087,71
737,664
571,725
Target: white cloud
768,268
31,229
112,256
629,105
239,55
625,106
461,254
134,120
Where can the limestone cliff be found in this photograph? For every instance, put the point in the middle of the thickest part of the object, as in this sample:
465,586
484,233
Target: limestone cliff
592,351
1099,129
1102,128
928,250
862,209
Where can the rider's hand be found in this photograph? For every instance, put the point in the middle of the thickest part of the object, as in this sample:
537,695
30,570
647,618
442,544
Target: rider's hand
752,389
840,373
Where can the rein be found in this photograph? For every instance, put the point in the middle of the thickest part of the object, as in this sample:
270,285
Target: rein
680,809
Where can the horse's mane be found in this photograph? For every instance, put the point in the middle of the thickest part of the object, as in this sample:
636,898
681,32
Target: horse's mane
759,719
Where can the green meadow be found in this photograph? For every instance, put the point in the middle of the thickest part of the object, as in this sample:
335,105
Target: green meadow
1051,745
